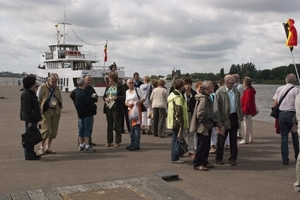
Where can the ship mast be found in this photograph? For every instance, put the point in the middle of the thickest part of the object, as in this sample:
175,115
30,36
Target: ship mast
64,23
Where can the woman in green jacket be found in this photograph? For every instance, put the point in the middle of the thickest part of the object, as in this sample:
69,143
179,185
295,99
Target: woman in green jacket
177,118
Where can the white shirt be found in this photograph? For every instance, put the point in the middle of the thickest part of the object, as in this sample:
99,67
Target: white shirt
133,98
288,103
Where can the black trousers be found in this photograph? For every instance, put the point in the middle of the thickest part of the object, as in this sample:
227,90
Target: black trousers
202,151
113,123
233,140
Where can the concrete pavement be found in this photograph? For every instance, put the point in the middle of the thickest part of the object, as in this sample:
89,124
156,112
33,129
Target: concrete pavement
258,175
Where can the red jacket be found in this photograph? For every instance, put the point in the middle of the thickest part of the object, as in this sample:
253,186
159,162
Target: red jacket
248,102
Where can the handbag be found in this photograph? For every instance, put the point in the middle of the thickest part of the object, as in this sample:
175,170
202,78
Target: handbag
31,137
183,146
143,108
275,110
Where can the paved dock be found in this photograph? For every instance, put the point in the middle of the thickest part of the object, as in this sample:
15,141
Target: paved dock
115,173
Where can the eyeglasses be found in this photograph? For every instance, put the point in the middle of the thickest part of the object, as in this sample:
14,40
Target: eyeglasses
131,83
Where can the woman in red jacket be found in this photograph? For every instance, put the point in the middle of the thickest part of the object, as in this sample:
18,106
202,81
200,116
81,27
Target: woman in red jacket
248,109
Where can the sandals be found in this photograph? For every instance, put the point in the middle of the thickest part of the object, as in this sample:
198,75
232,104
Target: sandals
49,151
201,168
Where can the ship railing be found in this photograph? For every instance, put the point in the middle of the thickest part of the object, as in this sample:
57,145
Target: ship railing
90,56
73,54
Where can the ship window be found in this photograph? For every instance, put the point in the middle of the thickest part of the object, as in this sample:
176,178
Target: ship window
75,82
67,64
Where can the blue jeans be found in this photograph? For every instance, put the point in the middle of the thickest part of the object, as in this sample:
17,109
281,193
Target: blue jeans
174,145
86,126
135,135
29,151
286,124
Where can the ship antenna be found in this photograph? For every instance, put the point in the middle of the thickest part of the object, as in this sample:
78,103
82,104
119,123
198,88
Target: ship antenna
64,25
63,35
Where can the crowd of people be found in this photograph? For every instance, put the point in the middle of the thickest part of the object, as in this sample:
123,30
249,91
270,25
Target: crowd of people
209,116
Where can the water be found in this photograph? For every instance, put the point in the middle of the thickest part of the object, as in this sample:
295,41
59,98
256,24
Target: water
264,101
264,94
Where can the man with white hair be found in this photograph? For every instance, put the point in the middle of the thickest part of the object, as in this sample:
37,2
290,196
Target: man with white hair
50,101
286,114
227,115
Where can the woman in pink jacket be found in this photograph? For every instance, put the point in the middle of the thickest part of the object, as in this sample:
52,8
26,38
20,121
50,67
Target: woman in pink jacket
249,109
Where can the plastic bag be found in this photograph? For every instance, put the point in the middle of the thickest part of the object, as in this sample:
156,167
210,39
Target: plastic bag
134,113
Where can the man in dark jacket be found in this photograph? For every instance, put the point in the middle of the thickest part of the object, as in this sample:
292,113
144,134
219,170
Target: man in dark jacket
86,109
91,91
137,82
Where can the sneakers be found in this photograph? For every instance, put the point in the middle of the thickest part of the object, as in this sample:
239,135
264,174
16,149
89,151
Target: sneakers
116,144
128,147
144,132
243,142
89,150
107,145
201,168
41,151
81,148
227,147
177,161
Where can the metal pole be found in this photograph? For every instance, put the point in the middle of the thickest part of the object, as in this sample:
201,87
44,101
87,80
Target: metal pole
295,66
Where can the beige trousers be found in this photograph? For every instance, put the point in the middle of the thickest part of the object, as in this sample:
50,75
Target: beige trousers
49,124
248,128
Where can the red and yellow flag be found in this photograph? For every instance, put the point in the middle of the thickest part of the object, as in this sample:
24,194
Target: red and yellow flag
291,34
105,53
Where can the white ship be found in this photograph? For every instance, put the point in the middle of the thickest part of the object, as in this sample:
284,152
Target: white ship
69,62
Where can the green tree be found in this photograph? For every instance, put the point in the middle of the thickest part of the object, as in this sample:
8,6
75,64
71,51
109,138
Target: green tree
222,75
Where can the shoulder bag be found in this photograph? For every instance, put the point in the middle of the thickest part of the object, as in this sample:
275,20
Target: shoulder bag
275,109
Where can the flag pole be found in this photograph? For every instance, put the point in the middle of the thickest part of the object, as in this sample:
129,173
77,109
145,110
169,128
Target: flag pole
104,61
295,66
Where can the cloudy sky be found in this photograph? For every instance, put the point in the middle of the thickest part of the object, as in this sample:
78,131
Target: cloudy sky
152,37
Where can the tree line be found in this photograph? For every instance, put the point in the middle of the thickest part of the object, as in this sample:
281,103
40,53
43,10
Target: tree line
267,76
